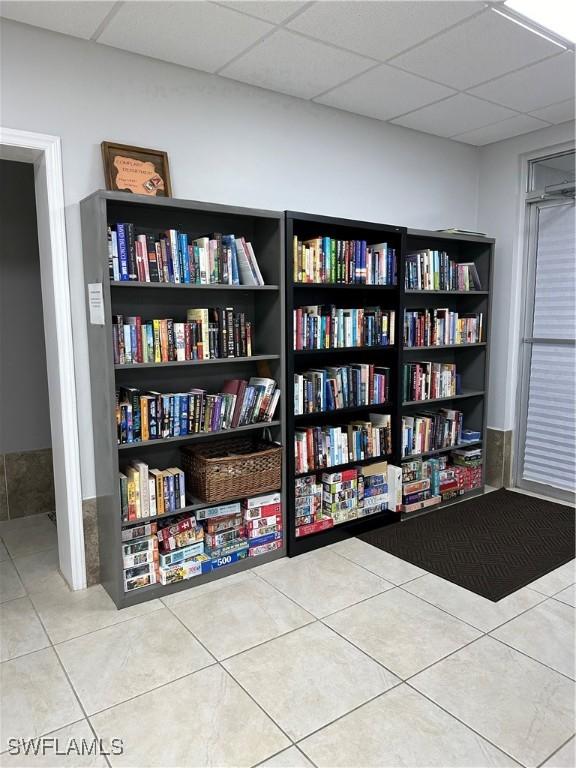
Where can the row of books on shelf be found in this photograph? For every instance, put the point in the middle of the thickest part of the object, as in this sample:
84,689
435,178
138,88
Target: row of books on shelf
143,416
206,334
325,326
329,260
427,431
338,497
431,270
329,446
146,492
194,544
175,257
327,389
426,483
427,381
436,327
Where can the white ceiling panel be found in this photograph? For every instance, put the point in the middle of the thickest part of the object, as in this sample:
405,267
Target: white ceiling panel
384,93
514,126
539,85
556,113
276,12
478,50
76,19
197,34
454,115
380,29
292,64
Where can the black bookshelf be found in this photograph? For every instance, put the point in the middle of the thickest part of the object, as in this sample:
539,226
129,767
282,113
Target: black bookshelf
307,226
471,359
263,305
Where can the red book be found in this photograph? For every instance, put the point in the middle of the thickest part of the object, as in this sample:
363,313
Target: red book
235,387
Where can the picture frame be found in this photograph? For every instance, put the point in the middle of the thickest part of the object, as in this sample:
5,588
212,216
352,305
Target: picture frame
136,170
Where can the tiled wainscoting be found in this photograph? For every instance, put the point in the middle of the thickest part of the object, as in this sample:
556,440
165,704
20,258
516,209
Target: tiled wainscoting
26,483
498,467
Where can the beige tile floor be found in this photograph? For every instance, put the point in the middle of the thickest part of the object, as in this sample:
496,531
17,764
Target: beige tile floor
342,657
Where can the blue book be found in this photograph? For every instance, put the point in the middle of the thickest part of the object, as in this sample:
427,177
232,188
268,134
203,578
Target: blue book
171,493
176,401
183,414
183,256
235,271
122,251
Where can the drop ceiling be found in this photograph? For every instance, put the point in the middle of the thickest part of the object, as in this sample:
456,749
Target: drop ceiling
451,68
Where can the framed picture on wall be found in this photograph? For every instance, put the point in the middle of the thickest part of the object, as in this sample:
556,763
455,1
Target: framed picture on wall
135,169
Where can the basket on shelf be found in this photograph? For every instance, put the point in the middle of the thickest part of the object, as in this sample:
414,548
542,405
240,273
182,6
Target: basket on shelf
231,469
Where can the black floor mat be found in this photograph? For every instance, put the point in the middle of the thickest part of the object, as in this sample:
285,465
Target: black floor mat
492,545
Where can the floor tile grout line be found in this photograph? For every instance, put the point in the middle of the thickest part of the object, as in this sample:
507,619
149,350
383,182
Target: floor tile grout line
66,675
227,672
538,661
360,565
462,722
480,629
364,652
49,733
260,707
99,629
345,714
540,765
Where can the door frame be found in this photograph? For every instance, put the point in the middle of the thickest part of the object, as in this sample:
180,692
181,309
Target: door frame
44,152
534,204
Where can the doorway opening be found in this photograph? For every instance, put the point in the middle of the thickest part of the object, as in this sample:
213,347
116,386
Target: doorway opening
42,154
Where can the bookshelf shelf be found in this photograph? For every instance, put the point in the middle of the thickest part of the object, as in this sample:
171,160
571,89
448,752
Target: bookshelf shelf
194,505
340,412
445,346
349,286
196,436
439,451
449,503
445,293
134,284
155,591
461,396
347,465
188,363
345,350
262,305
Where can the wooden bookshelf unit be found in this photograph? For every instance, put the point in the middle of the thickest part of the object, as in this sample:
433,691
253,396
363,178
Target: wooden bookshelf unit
263,305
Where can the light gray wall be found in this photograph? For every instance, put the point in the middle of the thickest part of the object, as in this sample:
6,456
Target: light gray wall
500,212
227,143
24,414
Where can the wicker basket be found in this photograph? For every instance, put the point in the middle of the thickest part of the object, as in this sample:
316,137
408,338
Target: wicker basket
231,469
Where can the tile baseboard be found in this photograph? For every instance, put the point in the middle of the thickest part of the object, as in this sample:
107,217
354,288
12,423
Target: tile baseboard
498,458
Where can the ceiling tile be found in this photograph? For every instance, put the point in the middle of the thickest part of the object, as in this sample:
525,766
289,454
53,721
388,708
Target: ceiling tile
514,126
380,29
197,34
556,113
275,11
384,93
454,115
76,19
483,48
539,85
293,64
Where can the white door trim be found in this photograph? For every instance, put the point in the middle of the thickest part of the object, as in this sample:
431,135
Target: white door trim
44,151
